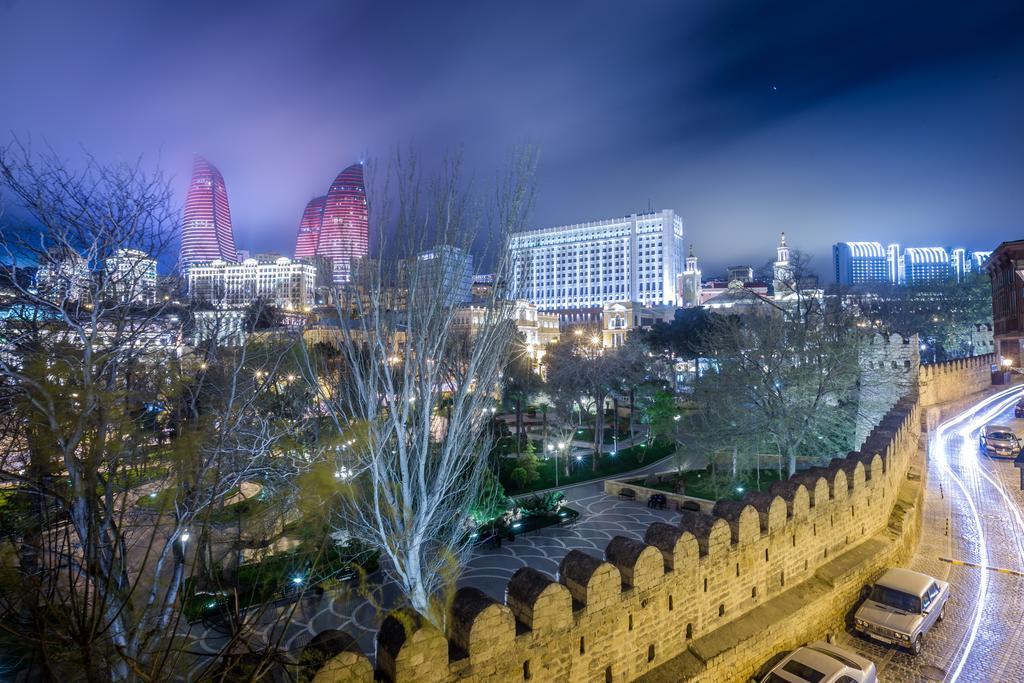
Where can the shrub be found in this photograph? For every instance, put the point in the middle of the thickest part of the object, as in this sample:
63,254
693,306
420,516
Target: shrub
519,477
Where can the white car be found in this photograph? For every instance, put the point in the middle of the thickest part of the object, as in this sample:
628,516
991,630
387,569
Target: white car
820,662
901,607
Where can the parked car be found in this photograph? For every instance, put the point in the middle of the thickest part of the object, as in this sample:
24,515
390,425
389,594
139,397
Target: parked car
901,607
822,663
1018,410
999,441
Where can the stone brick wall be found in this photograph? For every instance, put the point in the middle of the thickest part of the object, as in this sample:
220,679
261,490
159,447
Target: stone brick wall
955,379
708,600
657,606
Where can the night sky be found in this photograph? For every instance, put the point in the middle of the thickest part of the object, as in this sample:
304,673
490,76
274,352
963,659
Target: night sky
889,121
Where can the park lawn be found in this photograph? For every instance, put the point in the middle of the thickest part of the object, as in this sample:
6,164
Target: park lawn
625,460
259,582
700,484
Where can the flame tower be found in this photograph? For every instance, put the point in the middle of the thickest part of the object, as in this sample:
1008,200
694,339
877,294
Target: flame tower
345,229
206,226
309,228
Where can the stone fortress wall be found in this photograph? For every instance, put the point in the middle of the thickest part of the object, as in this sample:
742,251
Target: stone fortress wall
954,379
708,600
889,366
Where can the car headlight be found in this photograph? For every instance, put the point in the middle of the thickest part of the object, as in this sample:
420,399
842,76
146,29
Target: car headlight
903,636
860,623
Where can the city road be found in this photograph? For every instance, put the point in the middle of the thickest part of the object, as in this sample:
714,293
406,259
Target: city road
973,537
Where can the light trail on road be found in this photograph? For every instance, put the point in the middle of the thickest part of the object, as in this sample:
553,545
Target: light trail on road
963,425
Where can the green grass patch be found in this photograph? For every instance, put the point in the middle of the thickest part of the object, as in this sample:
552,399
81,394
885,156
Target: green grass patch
625,460
721,485
264,581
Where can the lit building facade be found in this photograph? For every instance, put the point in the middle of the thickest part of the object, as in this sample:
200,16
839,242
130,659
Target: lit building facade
784,283
622,318
689,282
132,276
448,270
586,265
925,264
309,227
277,280
976,262
857,263
537,327
345,229
206,233
894,261
65,275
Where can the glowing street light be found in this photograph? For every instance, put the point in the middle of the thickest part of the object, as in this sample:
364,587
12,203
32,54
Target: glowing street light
185,535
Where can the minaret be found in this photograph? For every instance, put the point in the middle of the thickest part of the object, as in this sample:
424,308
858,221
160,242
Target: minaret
783,280
689,290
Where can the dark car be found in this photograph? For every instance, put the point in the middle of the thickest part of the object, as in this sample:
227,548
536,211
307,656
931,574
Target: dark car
1018,410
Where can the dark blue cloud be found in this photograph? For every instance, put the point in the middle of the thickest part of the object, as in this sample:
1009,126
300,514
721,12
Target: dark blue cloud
828,120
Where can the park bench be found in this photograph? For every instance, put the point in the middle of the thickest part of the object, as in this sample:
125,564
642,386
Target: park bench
688,506
657,501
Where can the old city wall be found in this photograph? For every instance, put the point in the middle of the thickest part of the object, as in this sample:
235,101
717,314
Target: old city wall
955,379
708,600
889,366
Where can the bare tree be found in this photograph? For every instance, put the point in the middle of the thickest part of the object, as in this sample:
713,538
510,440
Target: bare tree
423,374
90,359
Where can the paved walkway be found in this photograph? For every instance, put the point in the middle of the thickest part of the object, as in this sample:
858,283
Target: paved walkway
601,518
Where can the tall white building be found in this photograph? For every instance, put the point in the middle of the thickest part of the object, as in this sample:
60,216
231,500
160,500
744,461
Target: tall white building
690,282
286,283
64,275
586,265
132,276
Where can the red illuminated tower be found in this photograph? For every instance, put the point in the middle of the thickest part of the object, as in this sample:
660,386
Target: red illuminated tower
345,229
309,228
206,222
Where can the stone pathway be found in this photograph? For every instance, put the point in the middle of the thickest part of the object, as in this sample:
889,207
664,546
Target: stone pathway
602,518
982,633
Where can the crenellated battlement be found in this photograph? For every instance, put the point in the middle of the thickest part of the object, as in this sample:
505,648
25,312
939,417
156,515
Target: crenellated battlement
644,603
952,379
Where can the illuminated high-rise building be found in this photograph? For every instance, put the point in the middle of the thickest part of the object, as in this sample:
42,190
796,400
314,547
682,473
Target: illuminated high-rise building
925,264
345,228
206,221
586,265
309,228
857,263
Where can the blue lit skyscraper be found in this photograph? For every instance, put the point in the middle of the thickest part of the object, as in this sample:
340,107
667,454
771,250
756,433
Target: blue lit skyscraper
926,264
858,263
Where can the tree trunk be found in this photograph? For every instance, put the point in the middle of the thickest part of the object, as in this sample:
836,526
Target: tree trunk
632,409
615,414
519,425
792,461
598,430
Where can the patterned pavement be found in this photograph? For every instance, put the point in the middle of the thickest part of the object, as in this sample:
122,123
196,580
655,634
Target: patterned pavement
601,518
973,512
